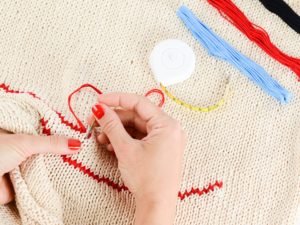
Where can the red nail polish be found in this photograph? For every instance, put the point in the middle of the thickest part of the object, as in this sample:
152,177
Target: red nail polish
98,111
74,144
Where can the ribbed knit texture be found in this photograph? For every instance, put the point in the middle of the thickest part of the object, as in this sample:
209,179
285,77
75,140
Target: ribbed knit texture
251,144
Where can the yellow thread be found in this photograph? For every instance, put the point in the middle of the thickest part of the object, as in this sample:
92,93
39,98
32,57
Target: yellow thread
197,108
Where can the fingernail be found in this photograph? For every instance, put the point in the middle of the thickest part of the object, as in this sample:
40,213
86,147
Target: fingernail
74,144
98,111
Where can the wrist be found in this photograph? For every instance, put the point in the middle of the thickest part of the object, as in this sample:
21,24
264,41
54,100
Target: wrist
156,201
155,211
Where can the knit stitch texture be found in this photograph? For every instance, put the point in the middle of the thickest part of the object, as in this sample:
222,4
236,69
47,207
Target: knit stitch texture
242,162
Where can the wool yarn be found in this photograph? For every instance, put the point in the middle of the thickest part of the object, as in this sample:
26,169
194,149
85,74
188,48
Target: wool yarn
241,163
255,33
284,11
221,49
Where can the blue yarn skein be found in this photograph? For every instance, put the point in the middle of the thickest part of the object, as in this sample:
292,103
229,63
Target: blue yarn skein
219,48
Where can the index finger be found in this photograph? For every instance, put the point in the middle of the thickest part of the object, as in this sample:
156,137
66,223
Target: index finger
140,104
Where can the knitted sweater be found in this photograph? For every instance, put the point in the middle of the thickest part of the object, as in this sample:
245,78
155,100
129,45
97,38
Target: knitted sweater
241,164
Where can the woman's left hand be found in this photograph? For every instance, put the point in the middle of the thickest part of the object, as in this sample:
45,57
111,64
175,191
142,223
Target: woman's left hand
15,148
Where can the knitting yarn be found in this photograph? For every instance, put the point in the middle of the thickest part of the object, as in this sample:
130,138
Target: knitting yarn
255,33
219,48
284,11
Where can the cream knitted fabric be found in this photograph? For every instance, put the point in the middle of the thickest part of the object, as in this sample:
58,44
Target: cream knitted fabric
251,144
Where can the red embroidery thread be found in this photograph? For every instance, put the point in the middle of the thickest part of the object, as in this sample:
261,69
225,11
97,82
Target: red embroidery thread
106,180
200,192
91,174
255,33
7,90
82,168
81,126
162,101
69,124
119,188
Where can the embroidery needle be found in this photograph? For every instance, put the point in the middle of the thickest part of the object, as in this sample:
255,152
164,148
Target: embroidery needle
90,130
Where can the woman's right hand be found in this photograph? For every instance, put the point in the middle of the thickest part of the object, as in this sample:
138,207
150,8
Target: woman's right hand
151,163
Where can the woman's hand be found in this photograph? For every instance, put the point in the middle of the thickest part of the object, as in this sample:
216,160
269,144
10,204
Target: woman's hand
15,148
149,146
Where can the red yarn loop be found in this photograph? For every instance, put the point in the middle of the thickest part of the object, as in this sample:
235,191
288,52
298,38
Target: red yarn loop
157,91
82,128
81,125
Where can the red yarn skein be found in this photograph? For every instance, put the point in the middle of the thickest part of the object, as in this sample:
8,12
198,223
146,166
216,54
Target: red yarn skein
255,33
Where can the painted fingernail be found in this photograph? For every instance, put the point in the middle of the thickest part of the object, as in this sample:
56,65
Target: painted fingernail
74,144
98,111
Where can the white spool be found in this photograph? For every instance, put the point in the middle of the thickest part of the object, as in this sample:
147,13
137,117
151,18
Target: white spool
172,61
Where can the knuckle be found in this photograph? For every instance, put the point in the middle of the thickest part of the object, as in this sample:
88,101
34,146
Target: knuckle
144,99
174,126
176,130
141,97
53,141
110,126
23,146
177,125
23,138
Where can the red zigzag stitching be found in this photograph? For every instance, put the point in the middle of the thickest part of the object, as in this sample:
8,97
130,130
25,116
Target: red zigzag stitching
61,117
82,168
106,180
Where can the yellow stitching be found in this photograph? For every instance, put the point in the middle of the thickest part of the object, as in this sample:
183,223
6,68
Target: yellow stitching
197,108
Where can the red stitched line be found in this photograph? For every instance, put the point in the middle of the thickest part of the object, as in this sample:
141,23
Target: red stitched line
82,168
45,130
119,188
106,180
91,174
7,90
69,124
200,192
59,114
79,128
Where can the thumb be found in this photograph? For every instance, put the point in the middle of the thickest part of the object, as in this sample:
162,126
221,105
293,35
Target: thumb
112,126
